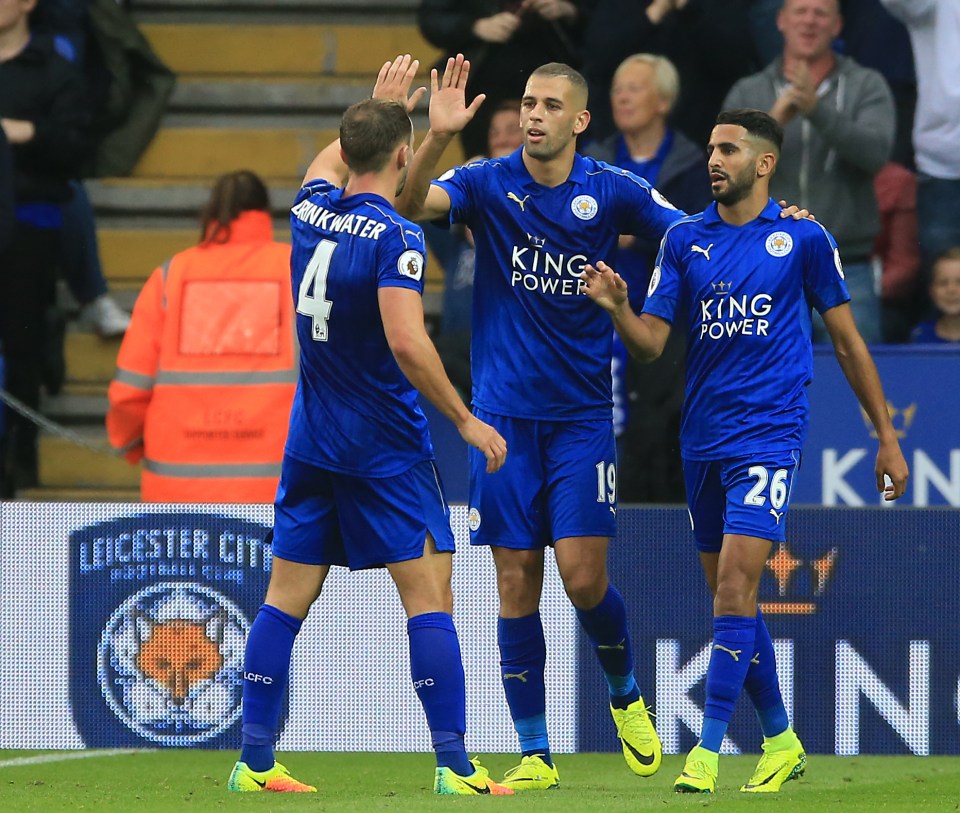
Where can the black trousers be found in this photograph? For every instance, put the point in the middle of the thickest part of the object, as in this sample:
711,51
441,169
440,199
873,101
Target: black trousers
28,271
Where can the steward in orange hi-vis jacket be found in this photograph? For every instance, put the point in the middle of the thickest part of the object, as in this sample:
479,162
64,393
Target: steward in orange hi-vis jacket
208,367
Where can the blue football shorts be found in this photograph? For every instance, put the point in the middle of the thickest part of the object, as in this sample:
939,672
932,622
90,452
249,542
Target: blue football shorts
326,518
560,480
739,495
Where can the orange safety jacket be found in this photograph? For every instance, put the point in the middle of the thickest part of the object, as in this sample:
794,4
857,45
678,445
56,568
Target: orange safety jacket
207,371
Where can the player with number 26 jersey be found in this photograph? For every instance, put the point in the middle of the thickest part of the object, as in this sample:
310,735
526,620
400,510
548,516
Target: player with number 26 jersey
354,411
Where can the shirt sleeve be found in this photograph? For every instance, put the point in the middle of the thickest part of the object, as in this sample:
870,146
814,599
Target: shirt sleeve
823,279
460,183
312,188
666,281
642,209
402,259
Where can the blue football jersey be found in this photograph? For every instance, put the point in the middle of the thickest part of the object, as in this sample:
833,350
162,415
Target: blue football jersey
747,292
540,348
354,411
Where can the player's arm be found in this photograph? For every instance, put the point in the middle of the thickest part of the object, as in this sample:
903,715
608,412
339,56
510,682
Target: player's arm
861,373
401,310
328,165
644,335
449,114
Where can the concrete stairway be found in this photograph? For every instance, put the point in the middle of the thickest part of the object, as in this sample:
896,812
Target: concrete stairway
261,85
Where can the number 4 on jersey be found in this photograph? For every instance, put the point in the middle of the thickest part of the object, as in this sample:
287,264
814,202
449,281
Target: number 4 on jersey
316,304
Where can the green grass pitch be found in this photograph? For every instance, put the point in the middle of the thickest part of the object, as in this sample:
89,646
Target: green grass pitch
398,783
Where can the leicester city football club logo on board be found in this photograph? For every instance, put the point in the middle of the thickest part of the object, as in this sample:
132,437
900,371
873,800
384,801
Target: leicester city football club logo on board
779,244
160,608
585,207
170,663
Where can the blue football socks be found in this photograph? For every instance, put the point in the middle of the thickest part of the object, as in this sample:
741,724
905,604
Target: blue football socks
606,627
523,659
733,641
763,684
266,665
437,671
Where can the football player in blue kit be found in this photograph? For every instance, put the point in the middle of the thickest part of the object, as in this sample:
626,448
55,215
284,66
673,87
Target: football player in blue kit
358,485
541,359
743,283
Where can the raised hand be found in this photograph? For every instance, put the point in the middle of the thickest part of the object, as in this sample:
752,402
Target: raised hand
449,112
394,80
604,286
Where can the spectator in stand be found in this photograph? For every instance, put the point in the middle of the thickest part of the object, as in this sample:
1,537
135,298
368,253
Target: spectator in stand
207,369
505,40
945,295
43,114
454,250
67,23
876,39
897,252
934,27
648,398
839,121
685,31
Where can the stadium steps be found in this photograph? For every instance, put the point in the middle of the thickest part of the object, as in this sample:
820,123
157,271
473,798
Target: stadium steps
63,464
261,85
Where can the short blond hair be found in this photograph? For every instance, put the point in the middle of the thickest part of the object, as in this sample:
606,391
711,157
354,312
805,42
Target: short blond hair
665,75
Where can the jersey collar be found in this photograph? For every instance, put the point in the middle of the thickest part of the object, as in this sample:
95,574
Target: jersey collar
578,173
352,201
771,211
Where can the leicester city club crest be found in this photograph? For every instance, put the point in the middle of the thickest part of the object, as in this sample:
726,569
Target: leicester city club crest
160,608
585,207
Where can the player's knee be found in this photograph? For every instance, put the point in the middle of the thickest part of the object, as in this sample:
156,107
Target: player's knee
735,596
584,589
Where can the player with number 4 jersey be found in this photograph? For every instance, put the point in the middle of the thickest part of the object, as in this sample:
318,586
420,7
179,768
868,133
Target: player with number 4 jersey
358,486
743,283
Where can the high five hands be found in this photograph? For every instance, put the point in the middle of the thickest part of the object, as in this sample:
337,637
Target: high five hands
449,112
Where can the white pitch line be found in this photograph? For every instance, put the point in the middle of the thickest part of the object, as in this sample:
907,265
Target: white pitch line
64,756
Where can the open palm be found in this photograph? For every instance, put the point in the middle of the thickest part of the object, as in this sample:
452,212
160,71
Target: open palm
449,112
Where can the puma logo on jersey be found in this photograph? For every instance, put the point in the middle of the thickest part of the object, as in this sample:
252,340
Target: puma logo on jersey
733,653
513,196
521,676
776,515
704,251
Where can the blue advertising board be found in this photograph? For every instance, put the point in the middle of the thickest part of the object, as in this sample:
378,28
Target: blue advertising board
922,386
862,605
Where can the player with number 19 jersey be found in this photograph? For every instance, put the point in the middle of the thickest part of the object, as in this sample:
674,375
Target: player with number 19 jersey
354,411
540,349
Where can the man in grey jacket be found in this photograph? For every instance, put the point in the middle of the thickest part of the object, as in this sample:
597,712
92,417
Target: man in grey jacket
839,125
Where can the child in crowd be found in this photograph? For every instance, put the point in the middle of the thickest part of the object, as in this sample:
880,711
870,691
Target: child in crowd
945,295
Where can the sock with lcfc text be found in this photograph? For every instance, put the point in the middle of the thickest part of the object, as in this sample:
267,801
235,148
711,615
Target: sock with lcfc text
523,659
606,627
733,639
266,665
763,684
437,672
